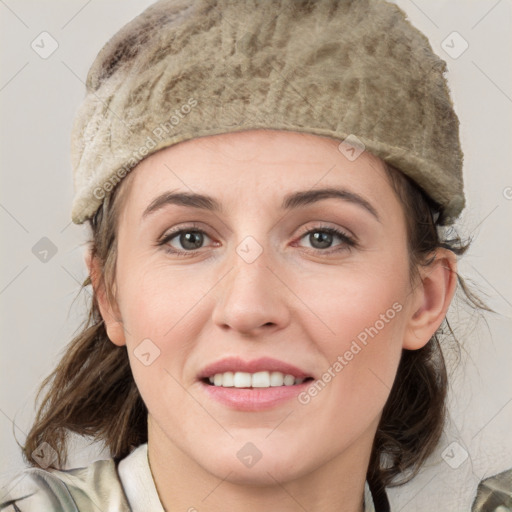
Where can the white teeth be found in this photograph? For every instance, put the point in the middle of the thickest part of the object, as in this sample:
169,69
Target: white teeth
242,380
228,379
276,379
256,380
260,380
289,380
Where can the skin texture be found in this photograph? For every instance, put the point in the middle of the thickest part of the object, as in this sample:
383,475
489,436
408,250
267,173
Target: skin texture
299,301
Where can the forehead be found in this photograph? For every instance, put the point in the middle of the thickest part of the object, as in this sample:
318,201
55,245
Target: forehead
257,166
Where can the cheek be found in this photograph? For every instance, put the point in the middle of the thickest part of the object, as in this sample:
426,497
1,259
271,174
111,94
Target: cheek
358,302
160,308
158,301
363,316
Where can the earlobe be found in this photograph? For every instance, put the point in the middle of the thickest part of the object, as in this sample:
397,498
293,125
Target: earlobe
109,312
432,298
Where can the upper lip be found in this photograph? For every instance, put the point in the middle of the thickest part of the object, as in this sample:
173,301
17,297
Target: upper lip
236,364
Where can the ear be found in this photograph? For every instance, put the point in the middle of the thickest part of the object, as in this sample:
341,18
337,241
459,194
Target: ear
109,312
432,298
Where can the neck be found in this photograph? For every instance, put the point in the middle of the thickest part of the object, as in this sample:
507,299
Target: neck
182,484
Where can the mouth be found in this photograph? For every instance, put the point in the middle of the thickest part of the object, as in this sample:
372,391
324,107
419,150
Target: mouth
255,385
265,372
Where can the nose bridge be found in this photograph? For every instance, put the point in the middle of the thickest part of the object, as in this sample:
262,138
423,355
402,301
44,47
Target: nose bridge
250,296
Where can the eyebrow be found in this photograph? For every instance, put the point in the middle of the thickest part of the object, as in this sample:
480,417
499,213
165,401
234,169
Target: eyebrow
291,201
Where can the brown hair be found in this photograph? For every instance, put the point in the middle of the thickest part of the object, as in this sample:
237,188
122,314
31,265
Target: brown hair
92,391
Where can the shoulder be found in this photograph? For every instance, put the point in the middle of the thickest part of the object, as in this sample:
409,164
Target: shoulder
494,493
92,488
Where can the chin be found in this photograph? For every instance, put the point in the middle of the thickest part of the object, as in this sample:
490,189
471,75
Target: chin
260,475
235,465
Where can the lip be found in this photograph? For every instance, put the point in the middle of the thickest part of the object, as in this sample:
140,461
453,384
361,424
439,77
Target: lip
236,364
253,399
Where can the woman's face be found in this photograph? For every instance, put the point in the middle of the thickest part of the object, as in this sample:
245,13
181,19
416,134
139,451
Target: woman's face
260,276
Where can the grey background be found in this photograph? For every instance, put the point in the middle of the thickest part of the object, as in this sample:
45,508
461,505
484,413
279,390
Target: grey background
38,98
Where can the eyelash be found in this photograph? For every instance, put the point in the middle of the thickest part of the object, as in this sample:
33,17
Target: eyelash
348,241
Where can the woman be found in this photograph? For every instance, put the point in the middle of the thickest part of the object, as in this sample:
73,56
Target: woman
266,190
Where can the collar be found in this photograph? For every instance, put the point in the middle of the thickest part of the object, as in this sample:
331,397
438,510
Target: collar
137,481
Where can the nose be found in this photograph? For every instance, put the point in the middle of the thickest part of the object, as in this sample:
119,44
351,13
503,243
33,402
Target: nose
251,298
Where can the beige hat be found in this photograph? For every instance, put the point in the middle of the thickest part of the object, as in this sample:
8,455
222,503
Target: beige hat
353,70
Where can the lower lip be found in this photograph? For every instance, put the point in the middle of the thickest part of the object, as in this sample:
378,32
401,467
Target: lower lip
254,399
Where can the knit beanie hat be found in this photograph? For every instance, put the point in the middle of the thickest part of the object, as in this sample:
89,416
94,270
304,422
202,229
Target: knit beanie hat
352,70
